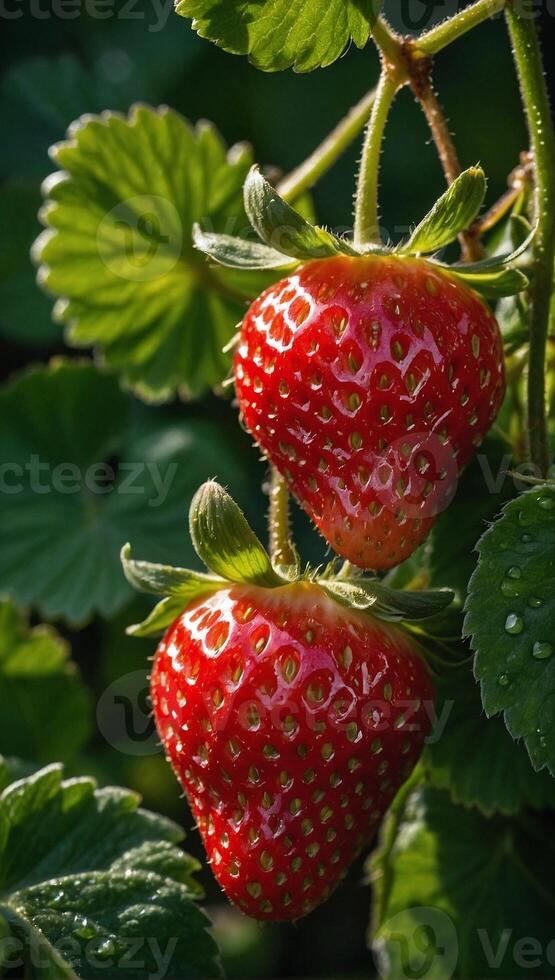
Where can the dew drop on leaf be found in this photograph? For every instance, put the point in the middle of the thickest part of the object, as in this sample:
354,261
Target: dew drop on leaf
543,651
107,948
510,589
503,680
535,602
514,624
56,900
546,503
515,572
86,930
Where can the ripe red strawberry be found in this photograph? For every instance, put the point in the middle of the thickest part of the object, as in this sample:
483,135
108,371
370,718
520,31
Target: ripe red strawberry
290,721
369,383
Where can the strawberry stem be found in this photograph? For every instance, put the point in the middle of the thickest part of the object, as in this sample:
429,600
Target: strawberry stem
366,202
423,89
453,28
324,156
528,60
282,551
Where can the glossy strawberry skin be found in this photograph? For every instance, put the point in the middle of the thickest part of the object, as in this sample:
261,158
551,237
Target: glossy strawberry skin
290,721
369,383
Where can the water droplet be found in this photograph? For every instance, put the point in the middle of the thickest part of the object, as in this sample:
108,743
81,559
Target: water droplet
535,602
514,624
515,572
510,589
526,538
543,651
107,948
546,503
86,930
57,899
503,680
525,519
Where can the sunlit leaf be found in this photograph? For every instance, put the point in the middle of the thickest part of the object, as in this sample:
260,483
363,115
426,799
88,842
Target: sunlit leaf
278,34
118,250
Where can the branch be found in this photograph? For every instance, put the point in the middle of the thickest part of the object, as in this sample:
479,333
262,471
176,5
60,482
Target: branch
529,67
454,28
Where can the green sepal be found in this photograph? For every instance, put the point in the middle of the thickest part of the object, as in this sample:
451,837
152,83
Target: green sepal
495,276
164,580
520,230
454,211
393,605
163,615
239,253
224,540
494,284
284,229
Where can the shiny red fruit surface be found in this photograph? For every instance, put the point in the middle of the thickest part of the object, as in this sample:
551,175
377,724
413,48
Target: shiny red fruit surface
291,722
369,383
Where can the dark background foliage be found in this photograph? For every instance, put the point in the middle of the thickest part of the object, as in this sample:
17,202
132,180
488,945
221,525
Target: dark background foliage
54,69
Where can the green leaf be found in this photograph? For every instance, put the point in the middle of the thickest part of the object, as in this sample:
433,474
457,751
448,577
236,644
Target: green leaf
483,488
224,540
282,228
240,253
84,473
24,309
498,777
457,895
279,34
84,873
452,213
510,615
385,602
39,98
12,769
118,251
41,693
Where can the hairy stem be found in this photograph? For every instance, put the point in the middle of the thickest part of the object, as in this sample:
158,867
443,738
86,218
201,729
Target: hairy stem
442,35
529,67
318,163
388,43
282,551
439,128
366,201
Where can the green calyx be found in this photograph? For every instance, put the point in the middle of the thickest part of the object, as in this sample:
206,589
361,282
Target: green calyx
233,554
287,239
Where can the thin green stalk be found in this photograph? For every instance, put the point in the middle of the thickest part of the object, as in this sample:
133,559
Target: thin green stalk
366,203
282,551
318,163
442,35
528,60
